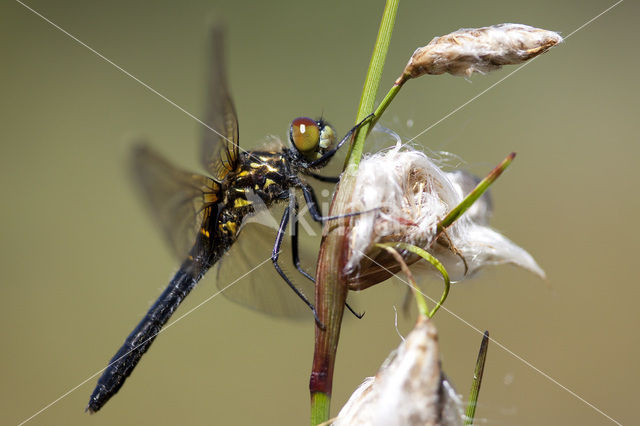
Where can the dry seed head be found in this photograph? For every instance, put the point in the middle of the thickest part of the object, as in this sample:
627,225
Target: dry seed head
409,389
409,194
470,50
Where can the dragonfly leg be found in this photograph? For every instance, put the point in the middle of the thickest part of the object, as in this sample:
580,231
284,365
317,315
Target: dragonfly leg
327,155
330,179
314,210
275,254
295,254
355,314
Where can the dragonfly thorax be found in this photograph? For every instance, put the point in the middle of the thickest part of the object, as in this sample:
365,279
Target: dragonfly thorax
261,177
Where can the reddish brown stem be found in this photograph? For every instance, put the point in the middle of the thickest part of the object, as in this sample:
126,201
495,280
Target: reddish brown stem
331,292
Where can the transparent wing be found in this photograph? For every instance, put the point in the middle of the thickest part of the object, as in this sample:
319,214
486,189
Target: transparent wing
263,289
178,200
247,276
219,148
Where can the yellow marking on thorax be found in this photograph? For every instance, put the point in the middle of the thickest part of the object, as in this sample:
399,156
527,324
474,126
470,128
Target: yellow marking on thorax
269,167
241,202
228,227
243,173
231,226
268,182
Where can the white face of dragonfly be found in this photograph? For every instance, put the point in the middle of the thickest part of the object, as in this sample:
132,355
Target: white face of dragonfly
327,137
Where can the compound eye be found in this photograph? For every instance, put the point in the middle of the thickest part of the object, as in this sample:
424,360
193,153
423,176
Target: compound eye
304,134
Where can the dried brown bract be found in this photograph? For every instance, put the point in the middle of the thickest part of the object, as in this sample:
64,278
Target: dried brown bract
481,50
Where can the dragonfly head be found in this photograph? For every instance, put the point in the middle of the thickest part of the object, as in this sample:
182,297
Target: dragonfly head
311,138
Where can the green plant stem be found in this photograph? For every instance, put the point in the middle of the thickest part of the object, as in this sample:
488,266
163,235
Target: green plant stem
331,288
382,107
436,263
372,82
475,194
423,309
320,404
477,380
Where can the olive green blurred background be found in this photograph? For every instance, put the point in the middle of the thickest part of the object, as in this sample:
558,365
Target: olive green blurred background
81,260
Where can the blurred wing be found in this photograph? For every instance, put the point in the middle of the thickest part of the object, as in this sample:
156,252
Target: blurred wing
263,289
219,148
178,200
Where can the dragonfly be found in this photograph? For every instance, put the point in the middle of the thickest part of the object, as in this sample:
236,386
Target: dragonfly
202,216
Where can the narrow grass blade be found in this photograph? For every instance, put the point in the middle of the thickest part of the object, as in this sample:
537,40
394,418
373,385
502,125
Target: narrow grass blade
475,194
477,380
435,262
